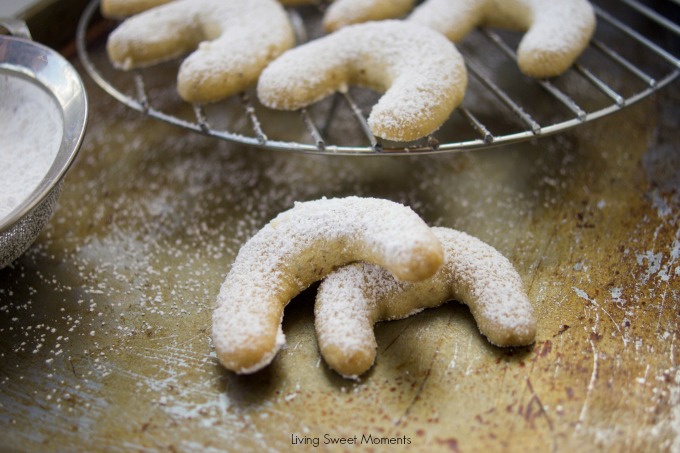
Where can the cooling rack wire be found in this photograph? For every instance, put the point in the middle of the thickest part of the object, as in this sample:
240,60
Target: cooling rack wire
631,56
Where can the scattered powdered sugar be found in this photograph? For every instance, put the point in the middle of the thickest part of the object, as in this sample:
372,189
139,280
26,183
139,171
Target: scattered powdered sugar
31,135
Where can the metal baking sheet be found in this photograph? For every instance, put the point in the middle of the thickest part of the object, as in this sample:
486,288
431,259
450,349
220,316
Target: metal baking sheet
104,322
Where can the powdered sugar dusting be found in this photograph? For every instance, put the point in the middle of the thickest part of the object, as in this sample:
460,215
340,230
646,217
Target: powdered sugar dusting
353,298
488,283
421,88
558,30
301,246
231,47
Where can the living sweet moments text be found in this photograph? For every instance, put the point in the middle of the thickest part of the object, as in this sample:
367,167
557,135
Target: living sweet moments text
363,439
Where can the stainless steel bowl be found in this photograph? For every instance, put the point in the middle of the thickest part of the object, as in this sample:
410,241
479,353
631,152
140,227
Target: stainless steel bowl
20,57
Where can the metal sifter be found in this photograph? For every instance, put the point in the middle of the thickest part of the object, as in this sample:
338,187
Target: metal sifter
26,61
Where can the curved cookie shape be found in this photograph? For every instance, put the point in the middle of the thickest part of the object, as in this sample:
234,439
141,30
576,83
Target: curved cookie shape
421,73
301,246
346,12
231,46
557,31
353,298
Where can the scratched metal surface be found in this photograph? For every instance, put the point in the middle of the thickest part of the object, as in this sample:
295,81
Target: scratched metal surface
104,322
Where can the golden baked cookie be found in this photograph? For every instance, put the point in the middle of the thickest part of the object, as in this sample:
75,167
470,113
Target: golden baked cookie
353,298
301,246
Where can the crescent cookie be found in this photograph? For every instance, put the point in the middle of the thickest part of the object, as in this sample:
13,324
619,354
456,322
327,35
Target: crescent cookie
353,298
231,46
301,246
557,31
421,73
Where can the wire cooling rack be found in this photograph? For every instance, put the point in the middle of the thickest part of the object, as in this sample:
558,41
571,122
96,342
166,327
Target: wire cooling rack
631,56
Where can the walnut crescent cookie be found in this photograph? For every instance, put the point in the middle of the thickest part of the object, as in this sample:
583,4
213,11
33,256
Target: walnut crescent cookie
230,46
341,13
421,88
557,31
353,298
301,246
